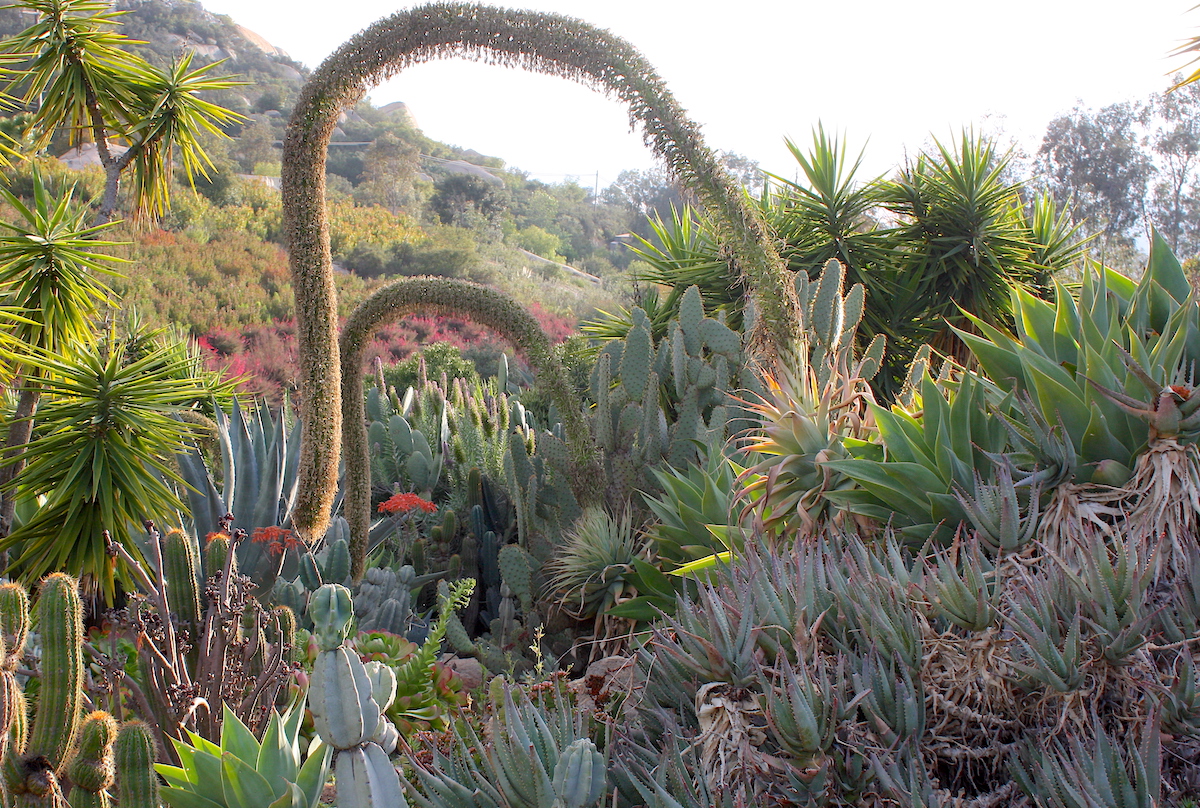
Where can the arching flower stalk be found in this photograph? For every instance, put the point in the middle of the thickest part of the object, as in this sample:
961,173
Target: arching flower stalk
543,43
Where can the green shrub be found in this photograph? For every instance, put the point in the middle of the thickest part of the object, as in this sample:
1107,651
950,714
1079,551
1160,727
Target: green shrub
440,358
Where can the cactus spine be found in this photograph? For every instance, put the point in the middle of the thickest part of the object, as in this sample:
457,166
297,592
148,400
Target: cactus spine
134,752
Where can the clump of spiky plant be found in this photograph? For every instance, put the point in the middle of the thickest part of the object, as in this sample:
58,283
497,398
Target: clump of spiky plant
812,404
488,307
544,43
589,568
786,487
1164,489
847,673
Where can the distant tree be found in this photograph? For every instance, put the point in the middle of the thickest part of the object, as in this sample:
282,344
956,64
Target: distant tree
256,144
271,99
460,199
745,171
1173,121
650,194
389,171
538,241
539,208
1096,163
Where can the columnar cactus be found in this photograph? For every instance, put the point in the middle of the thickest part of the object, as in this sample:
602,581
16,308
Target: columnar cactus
55,726
33,770
134,753
33,767
348,705
181,568
93,768
14,629
216,552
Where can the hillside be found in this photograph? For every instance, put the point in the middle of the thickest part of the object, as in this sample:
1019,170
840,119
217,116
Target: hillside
402,204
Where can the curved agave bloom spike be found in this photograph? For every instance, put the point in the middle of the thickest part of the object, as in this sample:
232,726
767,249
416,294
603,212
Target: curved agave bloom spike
492,308
545,43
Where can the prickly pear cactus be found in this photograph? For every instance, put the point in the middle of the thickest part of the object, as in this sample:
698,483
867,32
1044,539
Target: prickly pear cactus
516,570
401,454
653,403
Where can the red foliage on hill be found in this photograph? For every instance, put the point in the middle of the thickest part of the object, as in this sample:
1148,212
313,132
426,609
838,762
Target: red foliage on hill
265,355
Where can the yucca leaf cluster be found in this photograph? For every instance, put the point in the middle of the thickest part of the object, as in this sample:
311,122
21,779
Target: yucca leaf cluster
102,457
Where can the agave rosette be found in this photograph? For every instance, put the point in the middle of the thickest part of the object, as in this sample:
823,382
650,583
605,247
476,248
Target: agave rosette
786,486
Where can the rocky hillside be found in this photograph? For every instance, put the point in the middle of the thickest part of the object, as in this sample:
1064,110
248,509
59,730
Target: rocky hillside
166,28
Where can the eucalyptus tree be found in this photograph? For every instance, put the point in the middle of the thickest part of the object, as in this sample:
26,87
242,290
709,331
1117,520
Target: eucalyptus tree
1172,120
1096,163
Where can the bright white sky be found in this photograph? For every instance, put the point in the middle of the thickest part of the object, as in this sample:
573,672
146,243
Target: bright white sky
753,72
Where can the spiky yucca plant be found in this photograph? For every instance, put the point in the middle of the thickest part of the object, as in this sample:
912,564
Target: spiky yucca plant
588,568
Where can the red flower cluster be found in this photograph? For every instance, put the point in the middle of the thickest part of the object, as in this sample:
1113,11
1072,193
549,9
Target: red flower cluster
406,502
276,538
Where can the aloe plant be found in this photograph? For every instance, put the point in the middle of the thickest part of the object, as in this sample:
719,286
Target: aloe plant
811,410
243,772
1085,362
926,453
539,756
694,498
1099,772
